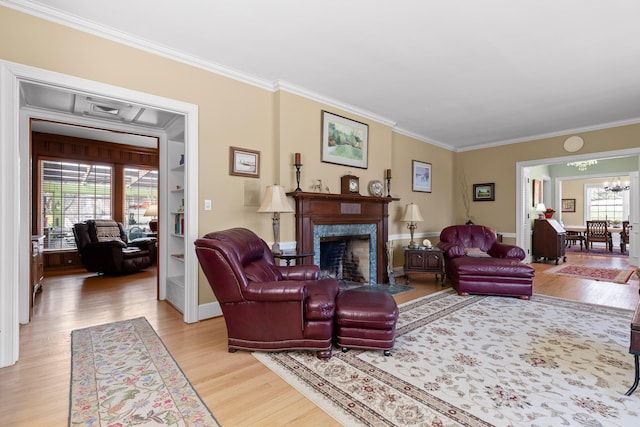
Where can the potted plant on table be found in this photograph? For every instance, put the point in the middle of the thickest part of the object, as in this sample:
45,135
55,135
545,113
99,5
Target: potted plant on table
548,213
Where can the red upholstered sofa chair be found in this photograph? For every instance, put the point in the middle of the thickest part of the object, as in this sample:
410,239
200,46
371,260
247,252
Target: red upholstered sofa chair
265,306
476,263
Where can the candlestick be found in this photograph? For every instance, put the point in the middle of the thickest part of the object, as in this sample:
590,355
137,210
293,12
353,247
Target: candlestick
297,165
388,183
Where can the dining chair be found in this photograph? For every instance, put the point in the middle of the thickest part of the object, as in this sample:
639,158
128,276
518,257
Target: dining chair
573,237
598,231
624,236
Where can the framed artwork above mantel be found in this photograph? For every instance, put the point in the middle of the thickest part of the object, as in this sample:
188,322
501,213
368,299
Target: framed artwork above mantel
344,141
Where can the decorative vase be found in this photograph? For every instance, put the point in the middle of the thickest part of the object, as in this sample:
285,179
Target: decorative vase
548,215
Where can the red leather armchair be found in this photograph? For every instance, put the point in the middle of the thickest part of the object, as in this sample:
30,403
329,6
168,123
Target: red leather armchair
476,263
267,307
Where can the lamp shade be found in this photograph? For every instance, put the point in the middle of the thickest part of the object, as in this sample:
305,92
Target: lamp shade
152,210
540,207
412,213
275,200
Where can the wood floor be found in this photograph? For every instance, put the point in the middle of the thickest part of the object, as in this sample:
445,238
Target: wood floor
238,389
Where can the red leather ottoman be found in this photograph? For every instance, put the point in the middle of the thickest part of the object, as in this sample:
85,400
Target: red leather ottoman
366,320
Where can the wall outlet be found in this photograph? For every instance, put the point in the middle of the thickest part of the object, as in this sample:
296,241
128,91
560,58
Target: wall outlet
207,205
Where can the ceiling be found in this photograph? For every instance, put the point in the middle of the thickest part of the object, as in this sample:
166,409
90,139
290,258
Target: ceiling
459,74
103,119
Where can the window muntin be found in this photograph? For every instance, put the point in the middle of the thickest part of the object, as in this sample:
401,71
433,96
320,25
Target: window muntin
72,192
606,205
141,191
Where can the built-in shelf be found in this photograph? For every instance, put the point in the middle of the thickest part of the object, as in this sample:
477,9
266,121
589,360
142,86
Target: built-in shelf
176,242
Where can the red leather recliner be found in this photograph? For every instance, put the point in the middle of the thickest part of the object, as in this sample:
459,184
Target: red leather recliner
476,263
267,307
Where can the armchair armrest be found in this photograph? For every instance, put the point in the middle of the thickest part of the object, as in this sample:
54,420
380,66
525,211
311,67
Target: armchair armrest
452,250
502,250
299,272
283,290
142,242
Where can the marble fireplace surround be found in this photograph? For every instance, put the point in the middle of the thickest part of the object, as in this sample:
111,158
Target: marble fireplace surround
319,214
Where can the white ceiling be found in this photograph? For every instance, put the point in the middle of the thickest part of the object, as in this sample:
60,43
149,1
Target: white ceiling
460,74
102,119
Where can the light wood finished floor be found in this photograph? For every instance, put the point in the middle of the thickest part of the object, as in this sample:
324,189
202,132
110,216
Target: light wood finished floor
238,389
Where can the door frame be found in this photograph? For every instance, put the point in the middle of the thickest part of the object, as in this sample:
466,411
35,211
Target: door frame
523,221
15,202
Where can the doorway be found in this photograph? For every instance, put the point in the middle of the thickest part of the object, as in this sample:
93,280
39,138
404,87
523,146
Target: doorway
525,213
15,226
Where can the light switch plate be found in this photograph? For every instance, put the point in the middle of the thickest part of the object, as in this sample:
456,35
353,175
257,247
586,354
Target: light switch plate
207,205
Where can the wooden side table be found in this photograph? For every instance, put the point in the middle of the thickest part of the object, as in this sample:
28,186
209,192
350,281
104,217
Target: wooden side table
291,256
424,260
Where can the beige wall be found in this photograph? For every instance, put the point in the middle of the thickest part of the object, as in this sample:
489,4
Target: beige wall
498,164
280,124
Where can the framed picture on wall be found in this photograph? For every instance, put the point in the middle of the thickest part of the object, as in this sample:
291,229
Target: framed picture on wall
568,205
484,192
536,192
421,176
243,162
344,141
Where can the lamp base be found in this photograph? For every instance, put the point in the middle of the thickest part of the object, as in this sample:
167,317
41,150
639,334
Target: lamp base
153,225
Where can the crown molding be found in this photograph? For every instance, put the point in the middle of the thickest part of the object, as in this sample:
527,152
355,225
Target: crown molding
564,132
423,139
314,96
81,24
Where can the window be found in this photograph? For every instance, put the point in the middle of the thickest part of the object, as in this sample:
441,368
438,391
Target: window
72,192
141,192
606,205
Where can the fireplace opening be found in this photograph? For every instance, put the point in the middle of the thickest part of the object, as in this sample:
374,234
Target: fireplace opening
345,258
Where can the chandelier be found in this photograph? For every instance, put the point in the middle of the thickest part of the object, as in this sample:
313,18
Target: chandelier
582,166
616,186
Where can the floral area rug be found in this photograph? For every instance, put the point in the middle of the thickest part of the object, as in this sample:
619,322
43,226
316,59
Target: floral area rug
480,361
614,275
123,375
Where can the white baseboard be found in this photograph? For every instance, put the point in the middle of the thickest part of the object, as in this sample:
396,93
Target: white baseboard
209,310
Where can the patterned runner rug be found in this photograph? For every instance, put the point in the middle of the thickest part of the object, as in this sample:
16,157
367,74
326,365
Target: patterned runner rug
480,361
123,375
614,275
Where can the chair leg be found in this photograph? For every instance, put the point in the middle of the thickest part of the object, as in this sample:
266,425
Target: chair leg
636,380
324,354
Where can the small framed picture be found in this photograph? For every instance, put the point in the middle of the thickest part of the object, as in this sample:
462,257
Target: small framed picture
421,176
243,162
568,205
484,192
537,192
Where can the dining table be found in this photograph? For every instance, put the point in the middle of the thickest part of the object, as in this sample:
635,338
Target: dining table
582,230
